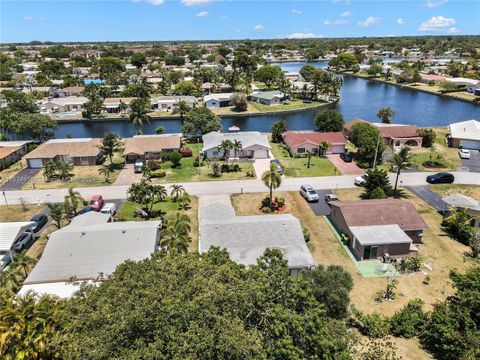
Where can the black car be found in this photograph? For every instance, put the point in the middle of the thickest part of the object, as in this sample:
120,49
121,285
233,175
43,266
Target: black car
40,221
85,210
347,157
441,178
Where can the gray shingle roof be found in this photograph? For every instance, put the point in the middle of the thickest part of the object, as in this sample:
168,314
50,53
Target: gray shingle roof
247,138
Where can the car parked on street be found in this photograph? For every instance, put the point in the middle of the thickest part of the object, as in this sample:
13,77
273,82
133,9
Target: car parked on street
96,203
309,193
347,157
279,167
361,180
464,154
331,197
109,208
441,178
138,166
22,241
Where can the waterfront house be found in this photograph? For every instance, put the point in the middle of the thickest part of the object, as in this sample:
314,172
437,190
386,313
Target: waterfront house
150,146
70,91
215,101
81,151
461,202
474,89
170,103
113,105
247,237
301,142
208,88
396,136
461,82
12,151
376,227
64,105
432,78
269,98
465,134
254,145
89,249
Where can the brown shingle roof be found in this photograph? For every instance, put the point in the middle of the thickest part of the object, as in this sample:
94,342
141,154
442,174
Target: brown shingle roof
295,138
139,145
72,89
71,147
381,212
397,131
348,125
7,150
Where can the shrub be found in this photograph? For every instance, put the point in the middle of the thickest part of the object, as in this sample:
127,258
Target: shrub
196,163
186,152
280,201
266,209
428,137
409,320
372,325
239,101
216,172
225,168
266,201
306,235
158,173
175,157
154,164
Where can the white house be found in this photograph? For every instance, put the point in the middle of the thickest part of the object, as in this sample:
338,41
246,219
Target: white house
65,104
170,103
215,101
465,134
254,144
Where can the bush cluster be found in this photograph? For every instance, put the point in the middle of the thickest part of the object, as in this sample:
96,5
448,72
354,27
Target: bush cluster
186,152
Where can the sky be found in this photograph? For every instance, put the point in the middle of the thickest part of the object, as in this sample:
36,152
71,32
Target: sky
135,20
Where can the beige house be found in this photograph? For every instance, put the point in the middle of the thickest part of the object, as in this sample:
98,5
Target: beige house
64,104
12,151
254,145
150,146
301,142
70,91
79,152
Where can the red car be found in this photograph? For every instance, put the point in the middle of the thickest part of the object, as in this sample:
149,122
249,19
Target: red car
97,202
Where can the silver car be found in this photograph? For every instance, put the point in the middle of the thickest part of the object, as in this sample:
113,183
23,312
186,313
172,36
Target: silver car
309,193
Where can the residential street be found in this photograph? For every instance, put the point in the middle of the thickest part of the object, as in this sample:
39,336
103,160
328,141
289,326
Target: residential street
225,187
429,196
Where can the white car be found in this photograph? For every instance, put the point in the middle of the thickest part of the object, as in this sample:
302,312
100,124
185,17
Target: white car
331,197
464,154
361,180
22,241
109,208
309,193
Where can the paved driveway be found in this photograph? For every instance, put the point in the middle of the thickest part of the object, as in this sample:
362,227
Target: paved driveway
127,176
260,166
345,168
19,179
427,195
320,207
473,164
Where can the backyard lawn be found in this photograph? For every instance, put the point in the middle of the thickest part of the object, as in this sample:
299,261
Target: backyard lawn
292,105
297,167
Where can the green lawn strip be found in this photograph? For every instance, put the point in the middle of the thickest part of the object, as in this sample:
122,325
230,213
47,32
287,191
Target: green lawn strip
127,211
297,167
420,158
292,105
368,268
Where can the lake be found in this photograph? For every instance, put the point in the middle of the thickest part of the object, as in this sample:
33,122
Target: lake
358,98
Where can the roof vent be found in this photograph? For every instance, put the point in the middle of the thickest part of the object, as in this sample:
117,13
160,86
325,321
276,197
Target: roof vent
124,231
84,232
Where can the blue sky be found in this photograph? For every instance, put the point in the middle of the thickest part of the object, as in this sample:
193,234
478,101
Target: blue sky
129,20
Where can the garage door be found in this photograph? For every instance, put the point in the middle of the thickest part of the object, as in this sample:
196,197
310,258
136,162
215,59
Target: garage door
35,163
338,149
470,144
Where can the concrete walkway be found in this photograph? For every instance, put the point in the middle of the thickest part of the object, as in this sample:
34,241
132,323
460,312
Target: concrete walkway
260,166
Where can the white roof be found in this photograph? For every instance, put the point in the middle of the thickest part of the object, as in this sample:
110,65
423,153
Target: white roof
463,81
60,289
247,138
69,100
468,130
462,201
10,231
380,235
14,143
217,97
86,251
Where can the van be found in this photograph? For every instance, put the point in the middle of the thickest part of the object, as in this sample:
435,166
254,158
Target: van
109,208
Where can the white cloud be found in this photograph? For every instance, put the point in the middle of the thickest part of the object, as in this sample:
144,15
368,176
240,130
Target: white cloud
196,2
371,20
153,2
297,12
28,18
431,4
43,18
299,35
238,30
335,22
400,21
202,13
436,24
453,30
346,13
259,27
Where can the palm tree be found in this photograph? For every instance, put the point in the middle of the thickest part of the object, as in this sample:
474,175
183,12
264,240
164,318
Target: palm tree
226,146
110,145
74,199
139,109
237,147
177,191
24,261
176,235
309,157
322,148
106,171
184,201
399,161
385,114
182,109
56,213
272,179
64,169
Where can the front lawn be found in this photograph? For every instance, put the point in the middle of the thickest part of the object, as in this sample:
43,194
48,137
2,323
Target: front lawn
297,167
12,213
449,189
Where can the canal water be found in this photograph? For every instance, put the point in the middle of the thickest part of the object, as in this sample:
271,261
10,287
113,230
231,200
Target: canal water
358,98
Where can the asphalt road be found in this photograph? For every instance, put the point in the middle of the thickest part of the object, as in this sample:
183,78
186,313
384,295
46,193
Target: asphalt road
320,207
473,164
429,196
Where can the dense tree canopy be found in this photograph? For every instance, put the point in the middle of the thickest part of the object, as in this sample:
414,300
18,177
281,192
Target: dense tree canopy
199,121
329,121
366,137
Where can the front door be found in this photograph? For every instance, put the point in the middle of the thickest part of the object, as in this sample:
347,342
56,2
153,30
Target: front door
370,252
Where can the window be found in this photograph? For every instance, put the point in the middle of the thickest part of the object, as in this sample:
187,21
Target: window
301,151
215,153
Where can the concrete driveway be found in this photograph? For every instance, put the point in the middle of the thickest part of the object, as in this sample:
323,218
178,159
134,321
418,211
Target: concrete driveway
260,166
345,168
429,196
127,176
472,164
320,207
19,179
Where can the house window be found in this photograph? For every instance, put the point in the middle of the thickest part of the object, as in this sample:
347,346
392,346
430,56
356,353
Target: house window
301,151
215,153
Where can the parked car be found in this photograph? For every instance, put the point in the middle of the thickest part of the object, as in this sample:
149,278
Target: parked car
97,202
85,209
22,241
464,154
347,157
40,221
331,197
138,166
441,178
279,167
109,208
361,180
309,193
5,259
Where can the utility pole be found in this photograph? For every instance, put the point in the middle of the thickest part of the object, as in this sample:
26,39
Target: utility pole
5,197
376,152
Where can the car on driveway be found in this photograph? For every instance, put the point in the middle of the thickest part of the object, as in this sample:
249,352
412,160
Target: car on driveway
464,154
361,180
347,157
109,208
138,166
85,210
279,167
441,178
309,193
22,241
40,221
331,197
97,202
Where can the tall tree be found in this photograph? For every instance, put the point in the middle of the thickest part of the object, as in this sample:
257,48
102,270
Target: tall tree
200,121
139,112
385,114
181,109
272,179
400,161
278,128
110,145
175,238
329,121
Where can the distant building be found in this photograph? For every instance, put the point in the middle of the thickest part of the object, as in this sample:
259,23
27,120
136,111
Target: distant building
170,103
465,134
12,151
64,104
70,91
268,97
215,101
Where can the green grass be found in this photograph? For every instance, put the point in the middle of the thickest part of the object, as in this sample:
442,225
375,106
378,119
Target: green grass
297,167
187,172
292,105
127,211
420,158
